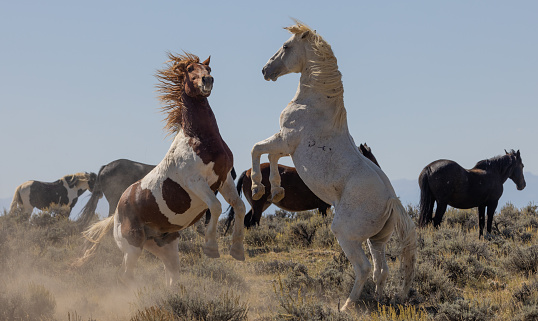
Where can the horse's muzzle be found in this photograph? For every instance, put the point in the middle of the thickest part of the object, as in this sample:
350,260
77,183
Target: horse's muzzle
269,74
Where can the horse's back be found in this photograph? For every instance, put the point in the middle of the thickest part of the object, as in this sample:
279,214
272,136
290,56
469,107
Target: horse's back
117,175
449,183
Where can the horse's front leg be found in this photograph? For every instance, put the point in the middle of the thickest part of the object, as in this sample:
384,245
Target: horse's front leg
481,220
230,194
277,192
204,192
273,145
490,211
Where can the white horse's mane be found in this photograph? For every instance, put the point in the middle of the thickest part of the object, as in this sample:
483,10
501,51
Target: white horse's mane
324,71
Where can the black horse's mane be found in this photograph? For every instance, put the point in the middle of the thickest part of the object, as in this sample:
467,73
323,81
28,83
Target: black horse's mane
500,163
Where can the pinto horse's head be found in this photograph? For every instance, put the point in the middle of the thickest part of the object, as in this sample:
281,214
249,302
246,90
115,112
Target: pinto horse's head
183,75
198,79
83,181
517,170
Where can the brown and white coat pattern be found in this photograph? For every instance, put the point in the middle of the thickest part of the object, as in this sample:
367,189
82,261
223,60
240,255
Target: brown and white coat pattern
177,192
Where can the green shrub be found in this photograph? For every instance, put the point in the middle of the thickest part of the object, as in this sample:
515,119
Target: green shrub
433,284
302,233
463,310
260,236
523,260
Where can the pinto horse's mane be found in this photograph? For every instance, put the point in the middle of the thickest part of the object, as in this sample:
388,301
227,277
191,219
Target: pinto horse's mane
500,163
79,176
324,71
171,86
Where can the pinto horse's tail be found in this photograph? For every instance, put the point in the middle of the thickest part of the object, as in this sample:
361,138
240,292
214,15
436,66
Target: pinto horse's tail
88,211
94,234
426,198
230,210
405,230
17,200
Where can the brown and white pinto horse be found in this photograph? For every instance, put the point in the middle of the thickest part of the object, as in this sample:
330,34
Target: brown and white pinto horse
298,197
177,192
65,191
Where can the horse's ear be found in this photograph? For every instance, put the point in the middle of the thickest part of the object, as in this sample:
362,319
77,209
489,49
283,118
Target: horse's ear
206,62
506,152
305,34
71,181
518,154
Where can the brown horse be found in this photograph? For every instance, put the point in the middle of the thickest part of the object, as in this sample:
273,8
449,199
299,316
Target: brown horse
298,196
178,191
447,183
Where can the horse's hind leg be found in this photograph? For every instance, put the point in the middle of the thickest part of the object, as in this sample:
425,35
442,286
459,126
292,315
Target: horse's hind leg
169,255
361,266
131,253
381,269
130,257
439,212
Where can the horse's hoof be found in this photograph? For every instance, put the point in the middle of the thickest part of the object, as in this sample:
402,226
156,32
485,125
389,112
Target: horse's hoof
237,251
277,194
348,306
258,191
211,251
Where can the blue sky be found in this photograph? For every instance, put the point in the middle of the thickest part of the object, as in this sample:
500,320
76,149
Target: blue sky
423,80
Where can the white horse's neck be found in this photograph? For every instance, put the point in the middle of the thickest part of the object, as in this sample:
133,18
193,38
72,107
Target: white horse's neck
310,94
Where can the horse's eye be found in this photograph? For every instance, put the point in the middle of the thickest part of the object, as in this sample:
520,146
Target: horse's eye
285,47
190,69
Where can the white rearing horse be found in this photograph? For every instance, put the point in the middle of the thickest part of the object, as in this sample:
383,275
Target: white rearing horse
314,132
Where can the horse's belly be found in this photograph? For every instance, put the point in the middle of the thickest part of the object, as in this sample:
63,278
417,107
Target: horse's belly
322,168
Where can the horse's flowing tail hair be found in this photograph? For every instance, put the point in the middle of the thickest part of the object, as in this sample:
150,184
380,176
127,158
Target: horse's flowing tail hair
17,200
230,210
405,230
426,198
88,211
94,234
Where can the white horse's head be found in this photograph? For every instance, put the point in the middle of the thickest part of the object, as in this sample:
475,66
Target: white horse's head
291,57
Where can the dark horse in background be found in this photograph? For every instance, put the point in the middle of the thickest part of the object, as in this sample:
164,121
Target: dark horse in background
298,196
112,179
447,183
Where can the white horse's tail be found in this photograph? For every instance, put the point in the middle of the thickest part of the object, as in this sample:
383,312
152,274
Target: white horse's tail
405,230
94,234
17,200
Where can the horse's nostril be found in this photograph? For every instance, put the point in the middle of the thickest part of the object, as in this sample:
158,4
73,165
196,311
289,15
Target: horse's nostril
207,80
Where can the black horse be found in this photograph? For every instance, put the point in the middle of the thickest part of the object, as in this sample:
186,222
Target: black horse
447,183
112,180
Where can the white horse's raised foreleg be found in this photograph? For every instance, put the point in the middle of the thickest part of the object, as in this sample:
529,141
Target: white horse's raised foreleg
231,196
277,192
276,147
204,192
